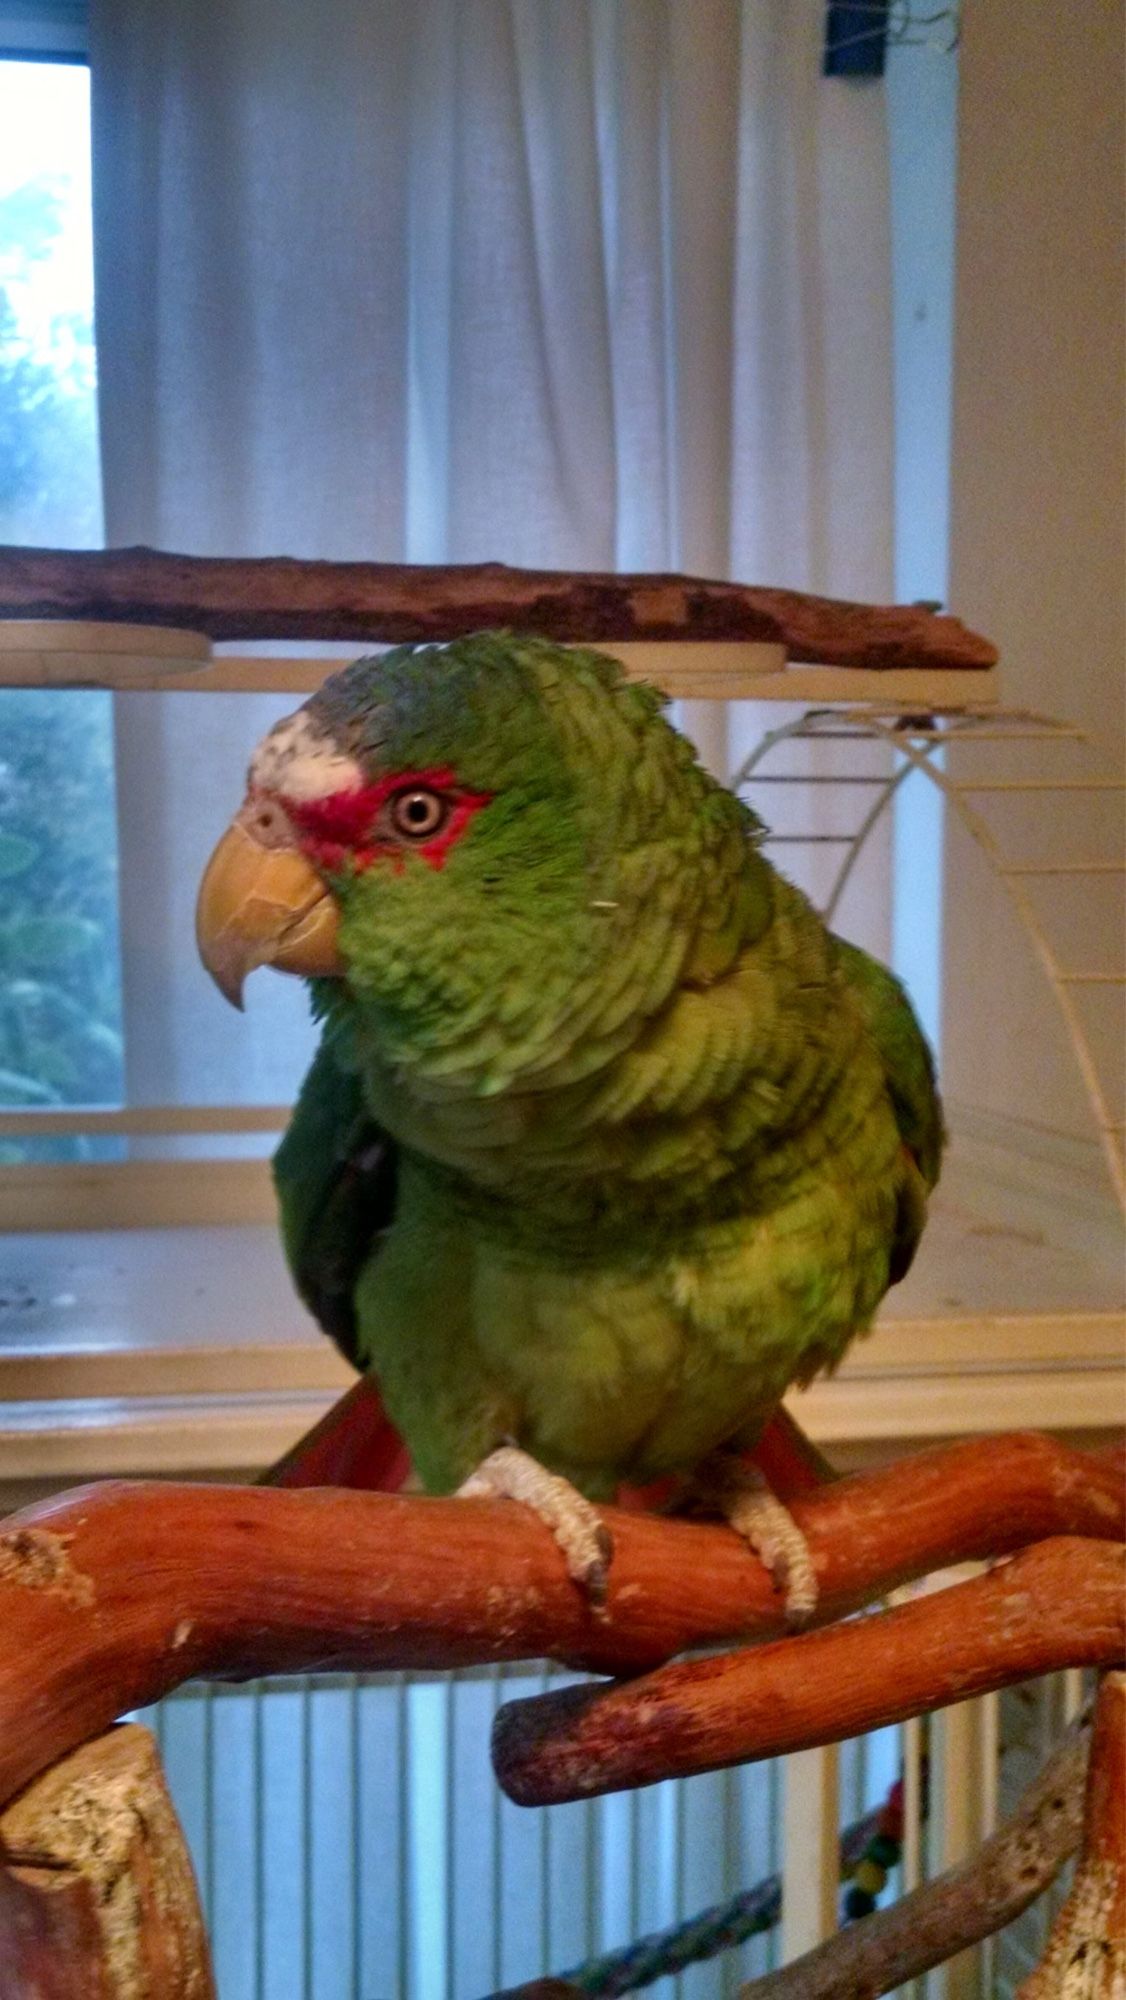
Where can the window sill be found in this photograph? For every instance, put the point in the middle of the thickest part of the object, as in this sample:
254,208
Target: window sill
232,1410
184,1351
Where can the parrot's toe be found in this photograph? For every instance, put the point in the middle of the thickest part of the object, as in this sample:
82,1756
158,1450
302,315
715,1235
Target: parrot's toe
579,1530
748,1505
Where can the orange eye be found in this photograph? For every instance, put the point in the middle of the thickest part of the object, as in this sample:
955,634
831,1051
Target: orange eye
418,814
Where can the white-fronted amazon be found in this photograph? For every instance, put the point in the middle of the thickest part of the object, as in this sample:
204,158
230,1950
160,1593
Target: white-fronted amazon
608,1139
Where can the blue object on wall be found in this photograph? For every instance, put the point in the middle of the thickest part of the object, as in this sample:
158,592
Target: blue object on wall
856,33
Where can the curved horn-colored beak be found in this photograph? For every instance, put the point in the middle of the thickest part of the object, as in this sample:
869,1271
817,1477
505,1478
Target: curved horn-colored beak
263,905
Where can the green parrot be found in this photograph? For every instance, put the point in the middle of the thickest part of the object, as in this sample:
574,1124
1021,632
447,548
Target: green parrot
608,1140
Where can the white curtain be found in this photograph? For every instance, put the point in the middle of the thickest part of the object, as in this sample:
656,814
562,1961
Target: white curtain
580,283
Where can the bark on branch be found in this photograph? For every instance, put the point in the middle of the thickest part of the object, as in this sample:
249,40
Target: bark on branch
280,597
97,1896
1060,1603
1086,1953
112,1595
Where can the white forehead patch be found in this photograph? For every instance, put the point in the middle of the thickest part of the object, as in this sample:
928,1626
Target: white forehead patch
299,760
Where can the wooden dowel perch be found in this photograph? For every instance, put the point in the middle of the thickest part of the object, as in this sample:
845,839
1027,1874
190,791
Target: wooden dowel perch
97,1896
280,597
111,1596
1059,1603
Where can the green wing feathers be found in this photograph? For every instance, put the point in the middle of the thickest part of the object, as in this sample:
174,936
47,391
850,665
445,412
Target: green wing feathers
907,1060
336,1175
912,1089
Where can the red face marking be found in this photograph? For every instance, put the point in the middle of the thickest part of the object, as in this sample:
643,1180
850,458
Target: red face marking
353,829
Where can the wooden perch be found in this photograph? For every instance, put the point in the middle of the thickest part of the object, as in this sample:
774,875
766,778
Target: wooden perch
280,597
1086,1953
1061,1603
941,1917
111,1596
97,1896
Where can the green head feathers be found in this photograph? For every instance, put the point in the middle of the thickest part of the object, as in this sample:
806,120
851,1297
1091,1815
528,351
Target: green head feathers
527,858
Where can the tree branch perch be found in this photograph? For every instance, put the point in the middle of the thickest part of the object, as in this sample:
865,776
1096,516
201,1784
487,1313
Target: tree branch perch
281,597
1060,1603
1086,1955
111,1596
97,1896
956,1910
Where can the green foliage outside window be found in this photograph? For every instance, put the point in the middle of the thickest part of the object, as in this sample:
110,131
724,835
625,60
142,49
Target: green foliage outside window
60,984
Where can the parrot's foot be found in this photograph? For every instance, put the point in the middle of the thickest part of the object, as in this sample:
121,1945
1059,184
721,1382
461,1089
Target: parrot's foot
741,1494
511,1474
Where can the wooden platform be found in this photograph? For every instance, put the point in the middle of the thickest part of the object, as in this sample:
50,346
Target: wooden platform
81,654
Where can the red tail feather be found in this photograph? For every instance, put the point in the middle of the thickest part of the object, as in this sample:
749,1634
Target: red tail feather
789,1461
355,1444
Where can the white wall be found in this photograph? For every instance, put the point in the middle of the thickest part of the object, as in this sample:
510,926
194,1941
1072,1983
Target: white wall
1037,503
922,102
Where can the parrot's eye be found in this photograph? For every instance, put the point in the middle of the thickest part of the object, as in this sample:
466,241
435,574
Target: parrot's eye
418,814
349,830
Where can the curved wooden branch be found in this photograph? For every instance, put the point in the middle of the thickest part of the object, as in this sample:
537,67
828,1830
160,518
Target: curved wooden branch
1061,1603
112,1595
280,597
956,1910
1087,1949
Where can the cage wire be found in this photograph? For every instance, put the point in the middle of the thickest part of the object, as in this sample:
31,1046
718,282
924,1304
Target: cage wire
931,746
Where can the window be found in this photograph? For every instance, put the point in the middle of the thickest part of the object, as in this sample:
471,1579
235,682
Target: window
174,1044
60,988
49,477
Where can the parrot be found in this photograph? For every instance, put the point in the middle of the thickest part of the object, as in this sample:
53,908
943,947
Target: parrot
608,1140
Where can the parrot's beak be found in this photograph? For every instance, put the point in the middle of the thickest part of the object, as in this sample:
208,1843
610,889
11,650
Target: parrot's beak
260,903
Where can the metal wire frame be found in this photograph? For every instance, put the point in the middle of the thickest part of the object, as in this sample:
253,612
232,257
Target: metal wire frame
917,742
404,1776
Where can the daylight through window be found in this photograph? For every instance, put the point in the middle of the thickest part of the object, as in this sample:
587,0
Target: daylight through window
60,985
